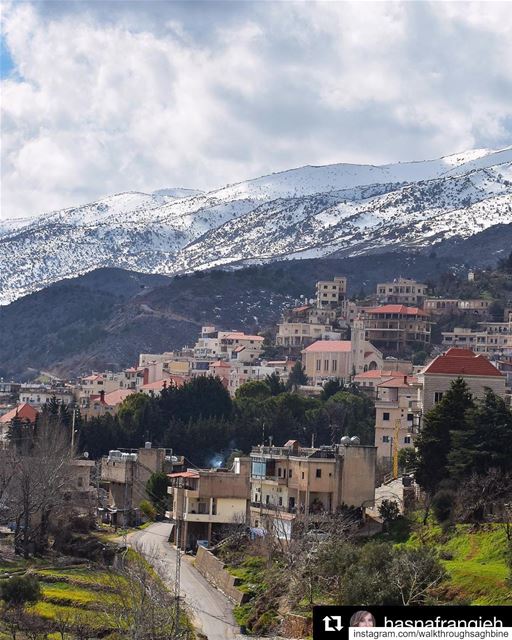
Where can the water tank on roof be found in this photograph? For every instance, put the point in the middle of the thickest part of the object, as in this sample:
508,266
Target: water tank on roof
355,440
147,445
345,440
115,453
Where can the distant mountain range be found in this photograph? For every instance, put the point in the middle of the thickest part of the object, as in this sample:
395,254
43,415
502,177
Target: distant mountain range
310,212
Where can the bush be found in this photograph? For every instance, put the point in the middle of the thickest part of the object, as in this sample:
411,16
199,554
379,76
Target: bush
148,510
389,510
442,505
20,590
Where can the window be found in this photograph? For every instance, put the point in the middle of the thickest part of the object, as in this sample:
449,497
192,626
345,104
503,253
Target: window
267,499
303,475
280,501
385,438
410,417
438,396
407,440
334,365
385,415
318,365
289,473
318,473
278,472
326,365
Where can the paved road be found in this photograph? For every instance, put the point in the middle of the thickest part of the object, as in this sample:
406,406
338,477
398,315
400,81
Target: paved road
211,609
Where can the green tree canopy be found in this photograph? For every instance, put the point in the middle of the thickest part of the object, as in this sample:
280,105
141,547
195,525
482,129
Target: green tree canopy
434,441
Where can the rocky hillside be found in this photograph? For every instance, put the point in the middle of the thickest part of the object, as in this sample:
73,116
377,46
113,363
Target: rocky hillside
107,317
309,212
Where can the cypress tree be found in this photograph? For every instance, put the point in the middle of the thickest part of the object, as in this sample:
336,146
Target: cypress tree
486,441
434,442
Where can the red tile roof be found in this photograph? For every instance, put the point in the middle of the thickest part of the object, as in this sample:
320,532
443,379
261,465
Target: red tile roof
158,385
114,398
183,474
397,383
396,309
457,364
220,363
460,353
23,412
329,346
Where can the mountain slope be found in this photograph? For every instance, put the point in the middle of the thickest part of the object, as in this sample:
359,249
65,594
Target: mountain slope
105,318
307,212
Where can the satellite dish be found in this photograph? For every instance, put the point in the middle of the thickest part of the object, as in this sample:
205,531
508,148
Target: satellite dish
86,454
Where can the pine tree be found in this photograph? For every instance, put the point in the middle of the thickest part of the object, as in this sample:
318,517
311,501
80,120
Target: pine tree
297,376
274,383
434,442
486,442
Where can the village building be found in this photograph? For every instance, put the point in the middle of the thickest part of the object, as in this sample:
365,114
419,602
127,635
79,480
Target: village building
205,505
124,474
457,306
395,327
23,413
331,359
396,410
294,483
490,338
402,291
477,371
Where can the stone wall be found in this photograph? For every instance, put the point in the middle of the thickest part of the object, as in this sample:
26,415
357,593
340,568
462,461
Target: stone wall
294,626
213,570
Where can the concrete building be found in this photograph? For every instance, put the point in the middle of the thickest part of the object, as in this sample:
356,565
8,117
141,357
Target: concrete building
328,359
294,483
456,306
395,327
37,395
490,338
302,334
205,503
331,293
402,291
478,372
124,475
396,406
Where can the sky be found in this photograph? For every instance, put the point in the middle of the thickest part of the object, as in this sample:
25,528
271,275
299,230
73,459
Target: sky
103,97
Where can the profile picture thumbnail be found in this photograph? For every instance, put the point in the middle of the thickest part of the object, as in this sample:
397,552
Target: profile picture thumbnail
362,619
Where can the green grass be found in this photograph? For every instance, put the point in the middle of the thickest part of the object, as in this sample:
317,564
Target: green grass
474,559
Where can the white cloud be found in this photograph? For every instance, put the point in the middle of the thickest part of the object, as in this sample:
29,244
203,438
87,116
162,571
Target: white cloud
111,97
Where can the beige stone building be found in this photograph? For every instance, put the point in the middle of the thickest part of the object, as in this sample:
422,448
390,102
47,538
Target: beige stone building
328,359
402,291
205,503
331,293
294,483
490,338
478,372
446,306
395,326
396,408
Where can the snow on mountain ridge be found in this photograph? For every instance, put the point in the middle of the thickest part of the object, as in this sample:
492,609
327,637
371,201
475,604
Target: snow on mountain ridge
302,212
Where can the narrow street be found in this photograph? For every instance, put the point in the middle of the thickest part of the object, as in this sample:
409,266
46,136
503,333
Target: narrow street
211,609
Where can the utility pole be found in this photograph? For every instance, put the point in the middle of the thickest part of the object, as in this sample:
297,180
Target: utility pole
396,435
177,578
73,420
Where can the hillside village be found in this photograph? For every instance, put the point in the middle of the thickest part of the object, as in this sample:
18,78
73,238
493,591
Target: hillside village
319,422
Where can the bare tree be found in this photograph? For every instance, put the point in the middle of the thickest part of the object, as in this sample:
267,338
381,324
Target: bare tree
415,572
40,476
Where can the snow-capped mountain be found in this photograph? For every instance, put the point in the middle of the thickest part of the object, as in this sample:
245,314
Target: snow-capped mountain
340,209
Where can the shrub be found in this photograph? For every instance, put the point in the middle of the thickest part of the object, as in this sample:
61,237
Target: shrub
442,505
148,510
